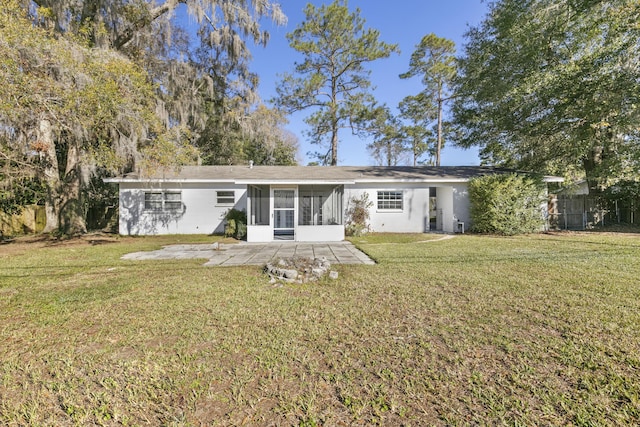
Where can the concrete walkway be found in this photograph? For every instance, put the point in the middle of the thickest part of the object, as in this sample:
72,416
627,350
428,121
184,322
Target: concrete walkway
257,253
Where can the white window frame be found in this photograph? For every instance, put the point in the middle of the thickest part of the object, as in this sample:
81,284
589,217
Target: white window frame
228,199
388,200
166,202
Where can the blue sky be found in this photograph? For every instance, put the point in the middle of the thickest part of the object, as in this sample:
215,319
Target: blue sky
403,22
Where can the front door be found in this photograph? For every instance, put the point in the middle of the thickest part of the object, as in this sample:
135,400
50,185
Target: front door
284,210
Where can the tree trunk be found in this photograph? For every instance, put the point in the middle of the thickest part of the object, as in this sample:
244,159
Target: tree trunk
439,147
334,145
51,176
63,204
603,143
72,219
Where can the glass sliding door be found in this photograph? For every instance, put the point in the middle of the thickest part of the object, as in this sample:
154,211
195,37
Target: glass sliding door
284,214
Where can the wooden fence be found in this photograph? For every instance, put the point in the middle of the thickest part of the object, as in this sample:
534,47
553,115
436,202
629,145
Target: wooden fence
32,219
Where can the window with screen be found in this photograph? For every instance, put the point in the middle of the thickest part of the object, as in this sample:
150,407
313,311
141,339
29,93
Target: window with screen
162,200
390,200
225,198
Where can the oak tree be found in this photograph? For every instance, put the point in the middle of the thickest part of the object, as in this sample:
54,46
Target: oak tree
67,110
111,85
553,86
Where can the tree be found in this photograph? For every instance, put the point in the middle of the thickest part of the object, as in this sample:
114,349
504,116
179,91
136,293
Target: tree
147,33
67,110
332,79
268,143
434,59
419,114
110,85
553,86
130,26
388,147
237,128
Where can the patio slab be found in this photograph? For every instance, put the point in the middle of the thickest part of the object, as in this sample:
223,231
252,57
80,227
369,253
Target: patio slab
244,253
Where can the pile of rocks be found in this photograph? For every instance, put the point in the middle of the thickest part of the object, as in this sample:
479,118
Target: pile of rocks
299,270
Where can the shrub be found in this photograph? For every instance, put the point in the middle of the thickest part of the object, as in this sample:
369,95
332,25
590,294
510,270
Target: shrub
236,225
506,204
357,222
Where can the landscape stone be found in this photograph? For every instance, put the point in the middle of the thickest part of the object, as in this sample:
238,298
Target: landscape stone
299,270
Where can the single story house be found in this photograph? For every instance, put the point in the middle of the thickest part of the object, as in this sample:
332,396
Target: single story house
301,203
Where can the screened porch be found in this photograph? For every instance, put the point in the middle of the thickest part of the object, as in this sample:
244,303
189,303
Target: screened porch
295,212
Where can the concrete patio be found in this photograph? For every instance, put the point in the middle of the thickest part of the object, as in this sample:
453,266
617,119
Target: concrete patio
244,253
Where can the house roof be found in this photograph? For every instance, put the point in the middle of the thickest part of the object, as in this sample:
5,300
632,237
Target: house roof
240,174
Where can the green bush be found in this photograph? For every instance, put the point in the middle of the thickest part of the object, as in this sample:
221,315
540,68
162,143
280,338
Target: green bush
506,204
236,225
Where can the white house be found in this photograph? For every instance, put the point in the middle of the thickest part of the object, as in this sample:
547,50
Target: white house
301,203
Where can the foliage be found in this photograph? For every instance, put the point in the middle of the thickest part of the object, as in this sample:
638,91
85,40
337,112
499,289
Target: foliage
236,127
19,183
332,79
434,60
506,204
389,146
417,133
629,189
21,192
68,109
236,224
116,85
357,215
553,86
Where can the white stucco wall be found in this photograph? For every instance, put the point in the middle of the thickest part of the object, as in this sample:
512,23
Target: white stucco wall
461,205
200,213
453,199
413,218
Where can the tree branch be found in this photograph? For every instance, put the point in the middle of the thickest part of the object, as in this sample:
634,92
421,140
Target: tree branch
157,12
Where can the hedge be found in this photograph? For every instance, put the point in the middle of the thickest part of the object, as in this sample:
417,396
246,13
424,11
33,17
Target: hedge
507,204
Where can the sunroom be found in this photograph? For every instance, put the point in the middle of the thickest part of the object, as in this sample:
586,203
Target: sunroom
302,213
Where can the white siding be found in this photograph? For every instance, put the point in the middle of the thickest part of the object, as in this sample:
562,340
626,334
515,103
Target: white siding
200,213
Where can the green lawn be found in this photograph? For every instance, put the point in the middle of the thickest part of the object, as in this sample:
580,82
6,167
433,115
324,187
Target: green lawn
472,330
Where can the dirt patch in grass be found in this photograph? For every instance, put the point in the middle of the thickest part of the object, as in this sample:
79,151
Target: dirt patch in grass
33,242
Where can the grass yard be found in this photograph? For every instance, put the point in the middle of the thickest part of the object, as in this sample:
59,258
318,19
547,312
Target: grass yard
474,330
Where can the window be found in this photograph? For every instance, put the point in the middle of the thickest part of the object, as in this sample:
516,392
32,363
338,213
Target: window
153,201
311,207
225,198
390,200
260,205
172,201
163,200
320,205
